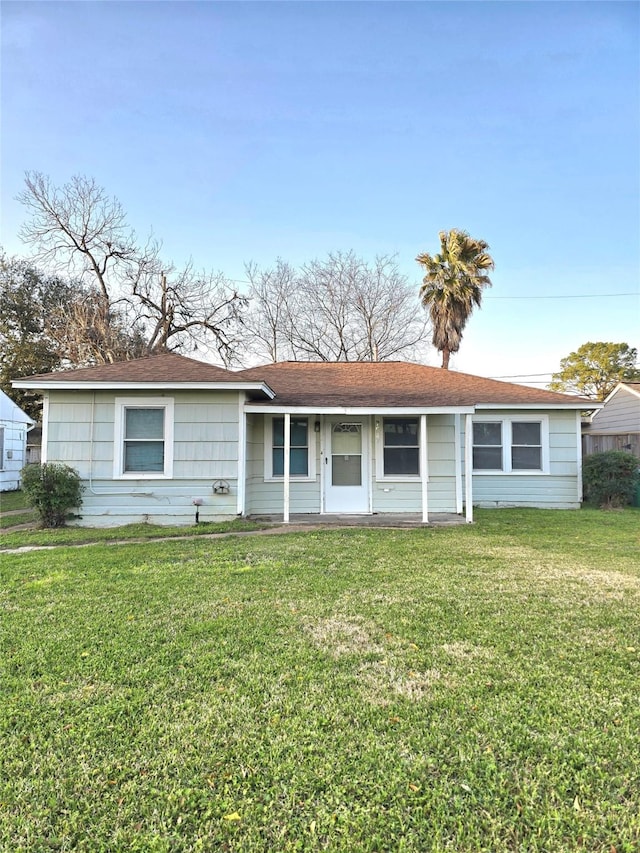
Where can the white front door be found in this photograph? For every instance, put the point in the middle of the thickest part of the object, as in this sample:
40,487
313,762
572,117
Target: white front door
346,465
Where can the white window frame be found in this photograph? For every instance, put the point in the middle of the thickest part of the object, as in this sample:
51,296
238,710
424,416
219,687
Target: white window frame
121,405
381,477
507,421
311,450
2,438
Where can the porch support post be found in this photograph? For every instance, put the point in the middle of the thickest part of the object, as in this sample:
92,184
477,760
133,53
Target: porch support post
44,449
458,462
287,467
468,468
242,454
424,474
579,455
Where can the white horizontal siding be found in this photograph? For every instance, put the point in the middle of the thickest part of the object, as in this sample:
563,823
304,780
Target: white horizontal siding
107,503
546,491
13,454
557,489
389,496
267,497
205,449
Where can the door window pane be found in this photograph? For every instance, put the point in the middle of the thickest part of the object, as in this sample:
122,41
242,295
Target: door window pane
346,439
346,470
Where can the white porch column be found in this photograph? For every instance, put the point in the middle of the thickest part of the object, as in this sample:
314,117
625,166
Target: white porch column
579,455
424,474
468,467
458,462
242,454
44,449
287,466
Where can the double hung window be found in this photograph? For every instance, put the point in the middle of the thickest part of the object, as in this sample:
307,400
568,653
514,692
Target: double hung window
510,444
400,447
143,437
301,459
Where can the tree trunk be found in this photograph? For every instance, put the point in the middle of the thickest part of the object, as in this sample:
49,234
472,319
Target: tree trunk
445,359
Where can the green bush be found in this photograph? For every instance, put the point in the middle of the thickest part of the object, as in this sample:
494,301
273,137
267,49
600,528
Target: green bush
610,478
52,489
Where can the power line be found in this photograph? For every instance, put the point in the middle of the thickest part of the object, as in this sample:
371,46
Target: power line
523,375
568,296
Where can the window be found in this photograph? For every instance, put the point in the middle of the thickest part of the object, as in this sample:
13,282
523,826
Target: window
143,437
143,440
526,446
511,444
301,460
400,448
1,448
487,446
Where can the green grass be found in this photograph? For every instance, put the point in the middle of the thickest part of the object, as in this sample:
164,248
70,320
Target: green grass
82,535
454,689
12,500
26,517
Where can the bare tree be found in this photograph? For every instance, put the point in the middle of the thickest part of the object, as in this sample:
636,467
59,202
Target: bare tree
339,308
267,325
85,331
79,227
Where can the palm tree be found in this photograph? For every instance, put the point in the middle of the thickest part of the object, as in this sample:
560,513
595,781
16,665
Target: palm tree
453,284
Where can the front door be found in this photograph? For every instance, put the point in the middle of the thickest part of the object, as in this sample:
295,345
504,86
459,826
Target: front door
346,465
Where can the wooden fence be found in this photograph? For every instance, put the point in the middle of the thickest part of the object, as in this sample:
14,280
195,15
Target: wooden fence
597,443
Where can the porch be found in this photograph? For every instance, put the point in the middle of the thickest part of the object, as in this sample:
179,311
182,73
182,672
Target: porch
379,519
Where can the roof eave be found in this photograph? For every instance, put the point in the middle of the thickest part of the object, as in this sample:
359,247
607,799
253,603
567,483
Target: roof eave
280,409
580,405
70,385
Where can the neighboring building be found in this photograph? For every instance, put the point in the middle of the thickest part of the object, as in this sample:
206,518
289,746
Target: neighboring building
615,426
152,437
14,424
34,445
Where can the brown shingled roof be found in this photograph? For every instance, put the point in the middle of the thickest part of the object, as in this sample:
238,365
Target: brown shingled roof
391,383
166,367
323,384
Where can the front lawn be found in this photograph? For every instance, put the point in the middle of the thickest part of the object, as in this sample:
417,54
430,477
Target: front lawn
452,689
83,535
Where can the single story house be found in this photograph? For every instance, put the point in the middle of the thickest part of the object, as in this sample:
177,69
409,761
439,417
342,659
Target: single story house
14,425
154,438
616,425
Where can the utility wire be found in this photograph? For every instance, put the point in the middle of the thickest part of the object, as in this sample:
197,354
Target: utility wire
568,296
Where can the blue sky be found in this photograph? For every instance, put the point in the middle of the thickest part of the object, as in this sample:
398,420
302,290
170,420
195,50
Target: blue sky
246,131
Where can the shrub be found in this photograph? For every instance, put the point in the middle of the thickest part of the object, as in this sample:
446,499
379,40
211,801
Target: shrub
52,489
610,478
